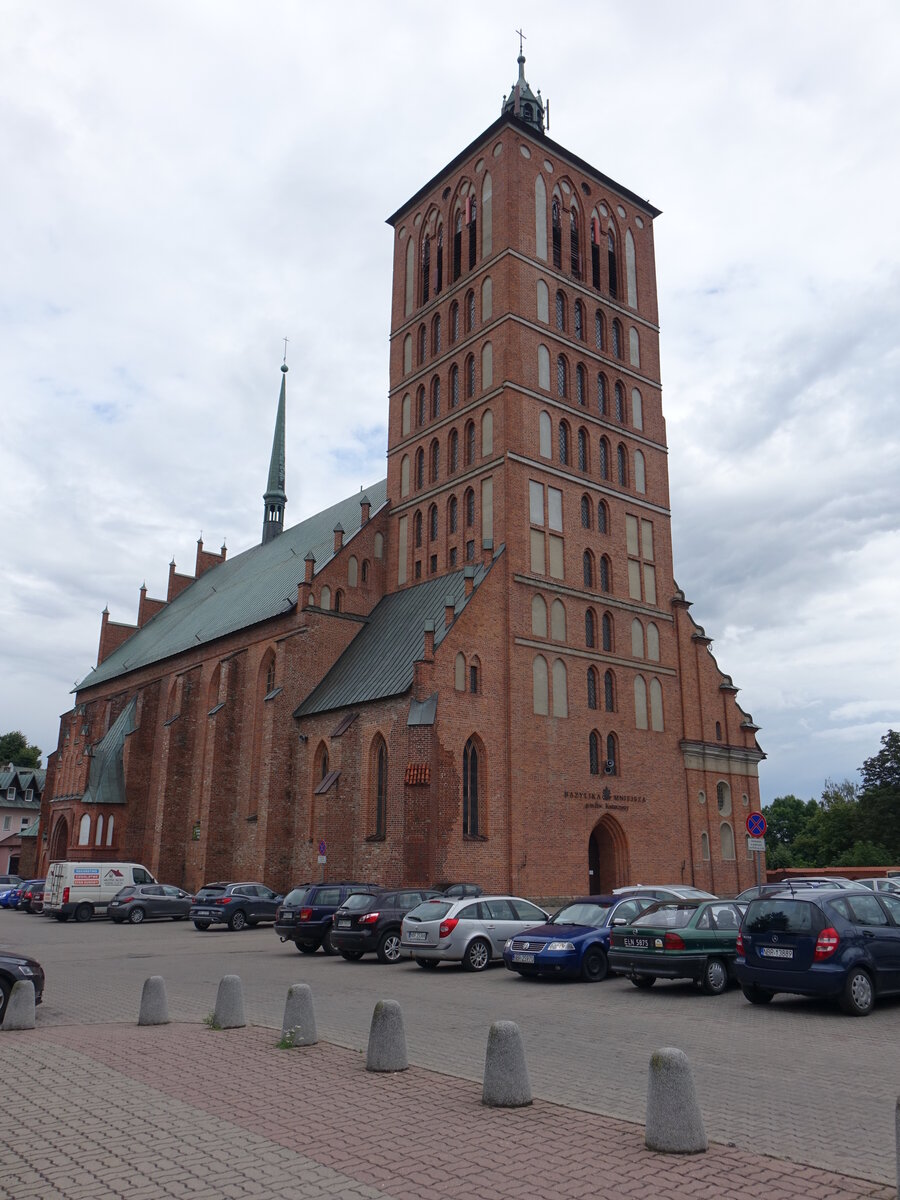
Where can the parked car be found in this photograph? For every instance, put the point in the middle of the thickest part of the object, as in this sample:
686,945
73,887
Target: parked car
236,905
881,885
8,881
6,892
37,899
458,890
666,891
81,889
841,945
574,942
371,924
26,894
469,931
143,900
14,967
680,939
818,881
305,916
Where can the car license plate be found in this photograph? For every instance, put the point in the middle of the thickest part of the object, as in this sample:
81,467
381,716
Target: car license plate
343,924
523,958
204,912
775,952
286,917
636,943
417,935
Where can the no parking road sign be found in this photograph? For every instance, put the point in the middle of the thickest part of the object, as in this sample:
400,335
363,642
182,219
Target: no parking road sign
757,825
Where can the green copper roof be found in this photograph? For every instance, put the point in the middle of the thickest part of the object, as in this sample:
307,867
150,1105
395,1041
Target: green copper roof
251,587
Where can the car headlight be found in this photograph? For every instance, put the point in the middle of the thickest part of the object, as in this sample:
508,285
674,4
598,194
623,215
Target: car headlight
23,970
507,943
562,946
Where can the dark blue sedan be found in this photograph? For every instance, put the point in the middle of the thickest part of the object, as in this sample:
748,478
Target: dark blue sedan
842,945
574,943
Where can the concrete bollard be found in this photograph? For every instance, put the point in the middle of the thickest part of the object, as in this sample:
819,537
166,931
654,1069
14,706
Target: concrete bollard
387,1039
229,1013
154,1002
299,1024
506,1082
674,1122
20,1007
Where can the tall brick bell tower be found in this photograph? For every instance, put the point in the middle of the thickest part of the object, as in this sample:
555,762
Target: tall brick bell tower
526,428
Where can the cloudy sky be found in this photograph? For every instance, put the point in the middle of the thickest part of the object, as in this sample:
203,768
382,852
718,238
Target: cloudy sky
187,181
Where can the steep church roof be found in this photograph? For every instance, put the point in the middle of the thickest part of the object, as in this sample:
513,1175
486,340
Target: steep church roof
254,586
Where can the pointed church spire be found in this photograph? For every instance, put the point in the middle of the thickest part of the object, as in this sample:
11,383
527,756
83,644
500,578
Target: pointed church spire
275,497
521,101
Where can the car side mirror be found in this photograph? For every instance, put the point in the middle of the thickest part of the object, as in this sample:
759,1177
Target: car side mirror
278,899
619,921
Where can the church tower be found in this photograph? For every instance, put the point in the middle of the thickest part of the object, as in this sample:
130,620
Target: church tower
275,497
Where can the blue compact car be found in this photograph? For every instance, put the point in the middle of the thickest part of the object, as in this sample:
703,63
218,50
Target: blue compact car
575,942
840,945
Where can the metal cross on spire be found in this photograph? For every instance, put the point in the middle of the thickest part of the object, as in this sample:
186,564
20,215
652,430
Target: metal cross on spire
521,39
285,340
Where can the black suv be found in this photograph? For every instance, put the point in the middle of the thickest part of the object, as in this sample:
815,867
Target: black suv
306,913
371,924
236,905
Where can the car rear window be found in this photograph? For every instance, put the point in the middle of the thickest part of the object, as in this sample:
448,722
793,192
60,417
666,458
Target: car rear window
430,910
668,914
358,902
296,895
583,914
783,916
125,891
209,890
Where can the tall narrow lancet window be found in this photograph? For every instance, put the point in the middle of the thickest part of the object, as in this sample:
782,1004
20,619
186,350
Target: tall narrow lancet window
595,252
436,334
453,453
454,321
470,311
602,517
420,468
606,627
604,458
470,806
426,268
556,221
470,376
609,692
454,386
473,231
380,790
417,529
423,343
470,443
579,320
585,512
594,754
598,329
574,244
470,508
587,567
590,629
583,459
592,687
605,574
580,390
563,443
457,244
433,523
617,348
439,264
619,392
622,465
435,398
434,463
420,406
613,268
560,312
601,395
562,385
452,515
612,755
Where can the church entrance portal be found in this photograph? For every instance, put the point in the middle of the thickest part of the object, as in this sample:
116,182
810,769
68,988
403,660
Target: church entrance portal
607,857
59,843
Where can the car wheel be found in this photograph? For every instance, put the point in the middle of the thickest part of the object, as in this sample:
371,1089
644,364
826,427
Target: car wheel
201,925
477,956
328,946
427,964
858,997
136,915
238,920
352,955
594,965
306,949
715,977
757,995
389,947
643,981
83,912
5,989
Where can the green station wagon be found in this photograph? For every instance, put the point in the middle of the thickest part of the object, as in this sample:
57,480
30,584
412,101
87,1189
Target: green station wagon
680,939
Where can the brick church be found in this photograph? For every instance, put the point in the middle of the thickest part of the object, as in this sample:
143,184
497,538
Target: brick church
482,667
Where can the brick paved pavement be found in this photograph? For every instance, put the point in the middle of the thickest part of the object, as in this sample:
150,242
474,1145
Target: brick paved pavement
179,1111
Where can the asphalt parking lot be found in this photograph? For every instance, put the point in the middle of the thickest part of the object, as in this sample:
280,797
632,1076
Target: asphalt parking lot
796,1079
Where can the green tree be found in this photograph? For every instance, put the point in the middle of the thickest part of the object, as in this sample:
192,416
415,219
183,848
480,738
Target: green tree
879,800
787,817
883,769
16,749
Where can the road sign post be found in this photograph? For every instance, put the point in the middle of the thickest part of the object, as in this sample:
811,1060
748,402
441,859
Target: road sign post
756,840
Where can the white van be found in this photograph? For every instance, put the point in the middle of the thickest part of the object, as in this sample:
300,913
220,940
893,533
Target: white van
81,889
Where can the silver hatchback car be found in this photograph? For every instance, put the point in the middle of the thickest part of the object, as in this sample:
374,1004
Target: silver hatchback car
469,931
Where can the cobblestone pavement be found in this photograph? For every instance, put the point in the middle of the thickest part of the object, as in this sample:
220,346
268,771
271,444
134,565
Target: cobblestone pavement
796,1080
181,1110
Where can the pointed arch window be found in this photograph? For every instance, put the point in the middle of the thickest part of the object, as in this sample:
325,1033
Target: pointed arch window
454,322
583,455
598,329
574,244
439,262
420,406
586,512
594,753
579,320
620,402
580,390
453,453
560,312
473,232
601,395
470,443
98,834
602,517
595,250
436,334
381,789
426,268
606,627
404,475
434,463
421,344
590,627
339,601
605,574
612,755
612,265
470,507
454,386
420,468
587,568
558,621
470,376
452,515
457,244
540,686
563,442
84,830
609,692
592,687
622,466
617,338
640,474
470,311
433,523
604,458
435,398
538,617
560,689
417,530
562,381
556,222
726,838
474,676
470,798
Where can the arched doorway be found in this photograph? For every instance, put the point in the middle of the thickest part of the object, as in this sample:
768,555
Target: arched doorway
59,843
607,856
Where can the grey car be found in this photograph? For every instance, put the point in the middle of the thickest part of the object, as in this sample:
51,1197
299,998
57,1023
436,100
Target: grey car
468,931
135,903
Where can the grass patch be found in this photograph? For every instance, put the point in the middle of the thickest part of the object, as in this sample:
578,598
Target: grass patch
210,1021
286,1041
